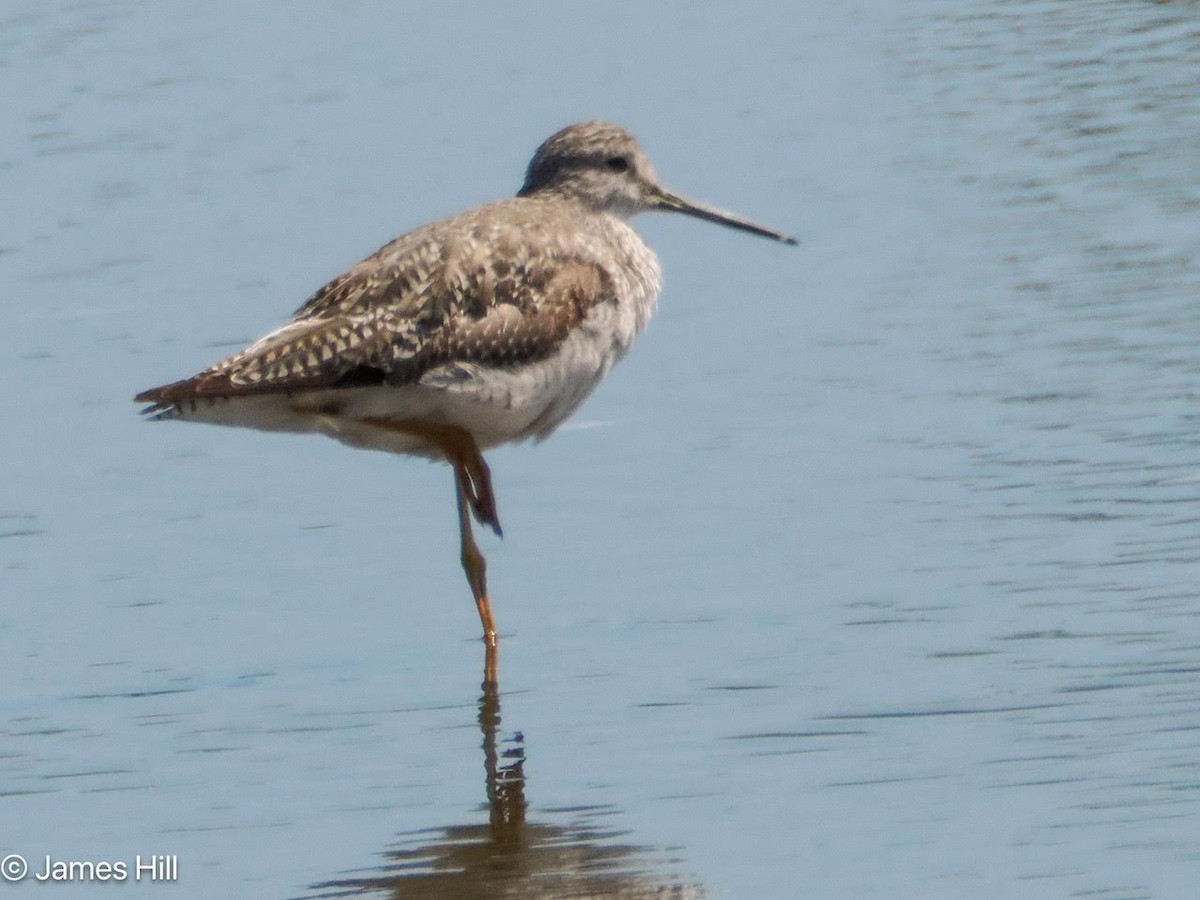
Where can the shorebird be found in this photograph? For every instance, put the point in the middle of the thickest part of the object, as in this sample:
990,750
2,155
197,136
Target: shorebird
489,327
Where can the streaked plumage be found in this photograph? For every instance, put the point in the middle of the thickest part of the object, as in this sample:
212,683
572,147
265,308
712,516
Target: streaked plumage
490,326
512,307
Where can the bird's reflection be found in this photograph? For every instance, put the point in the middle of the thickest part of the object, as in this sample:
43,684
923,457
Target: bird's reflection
510,856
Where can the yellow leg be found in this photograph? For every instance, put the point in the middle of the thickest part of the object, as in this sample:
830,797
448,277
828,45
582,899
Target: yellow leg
474,565
473,493
463,453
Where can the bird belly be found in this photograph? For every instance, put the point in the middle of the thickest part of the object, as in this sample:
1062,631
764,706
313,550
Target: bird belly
495,404
515,403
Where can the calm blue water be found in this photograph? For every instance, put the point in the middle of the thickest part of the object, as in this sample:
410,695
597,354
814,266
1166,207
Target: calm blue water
872,572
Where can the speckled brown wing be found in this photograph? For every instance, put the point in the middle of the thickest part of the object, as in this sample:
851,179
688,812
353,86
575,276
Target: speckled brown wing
420,302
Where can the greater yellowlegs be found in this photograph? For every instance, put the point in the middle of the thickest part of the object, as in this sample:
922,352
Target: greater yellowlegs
488,327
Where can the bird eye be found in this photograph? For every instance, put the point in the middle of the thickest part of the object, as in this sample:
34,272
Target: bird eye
617,164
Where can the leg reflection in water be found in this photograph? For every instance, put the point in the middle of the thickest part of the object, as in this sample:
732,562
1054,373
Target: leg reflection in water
505,770
572,853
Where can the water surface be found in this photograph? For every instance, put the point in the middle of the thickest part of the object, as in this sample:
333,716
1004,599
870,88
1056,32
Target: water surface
871,571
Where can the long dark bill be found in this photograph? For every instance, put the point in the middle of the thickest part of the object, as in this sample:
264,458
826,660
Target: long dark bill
675,203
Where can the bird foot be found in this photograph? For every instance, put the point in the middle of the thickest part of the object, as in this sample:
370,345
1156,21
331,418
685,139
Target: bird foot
485,514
